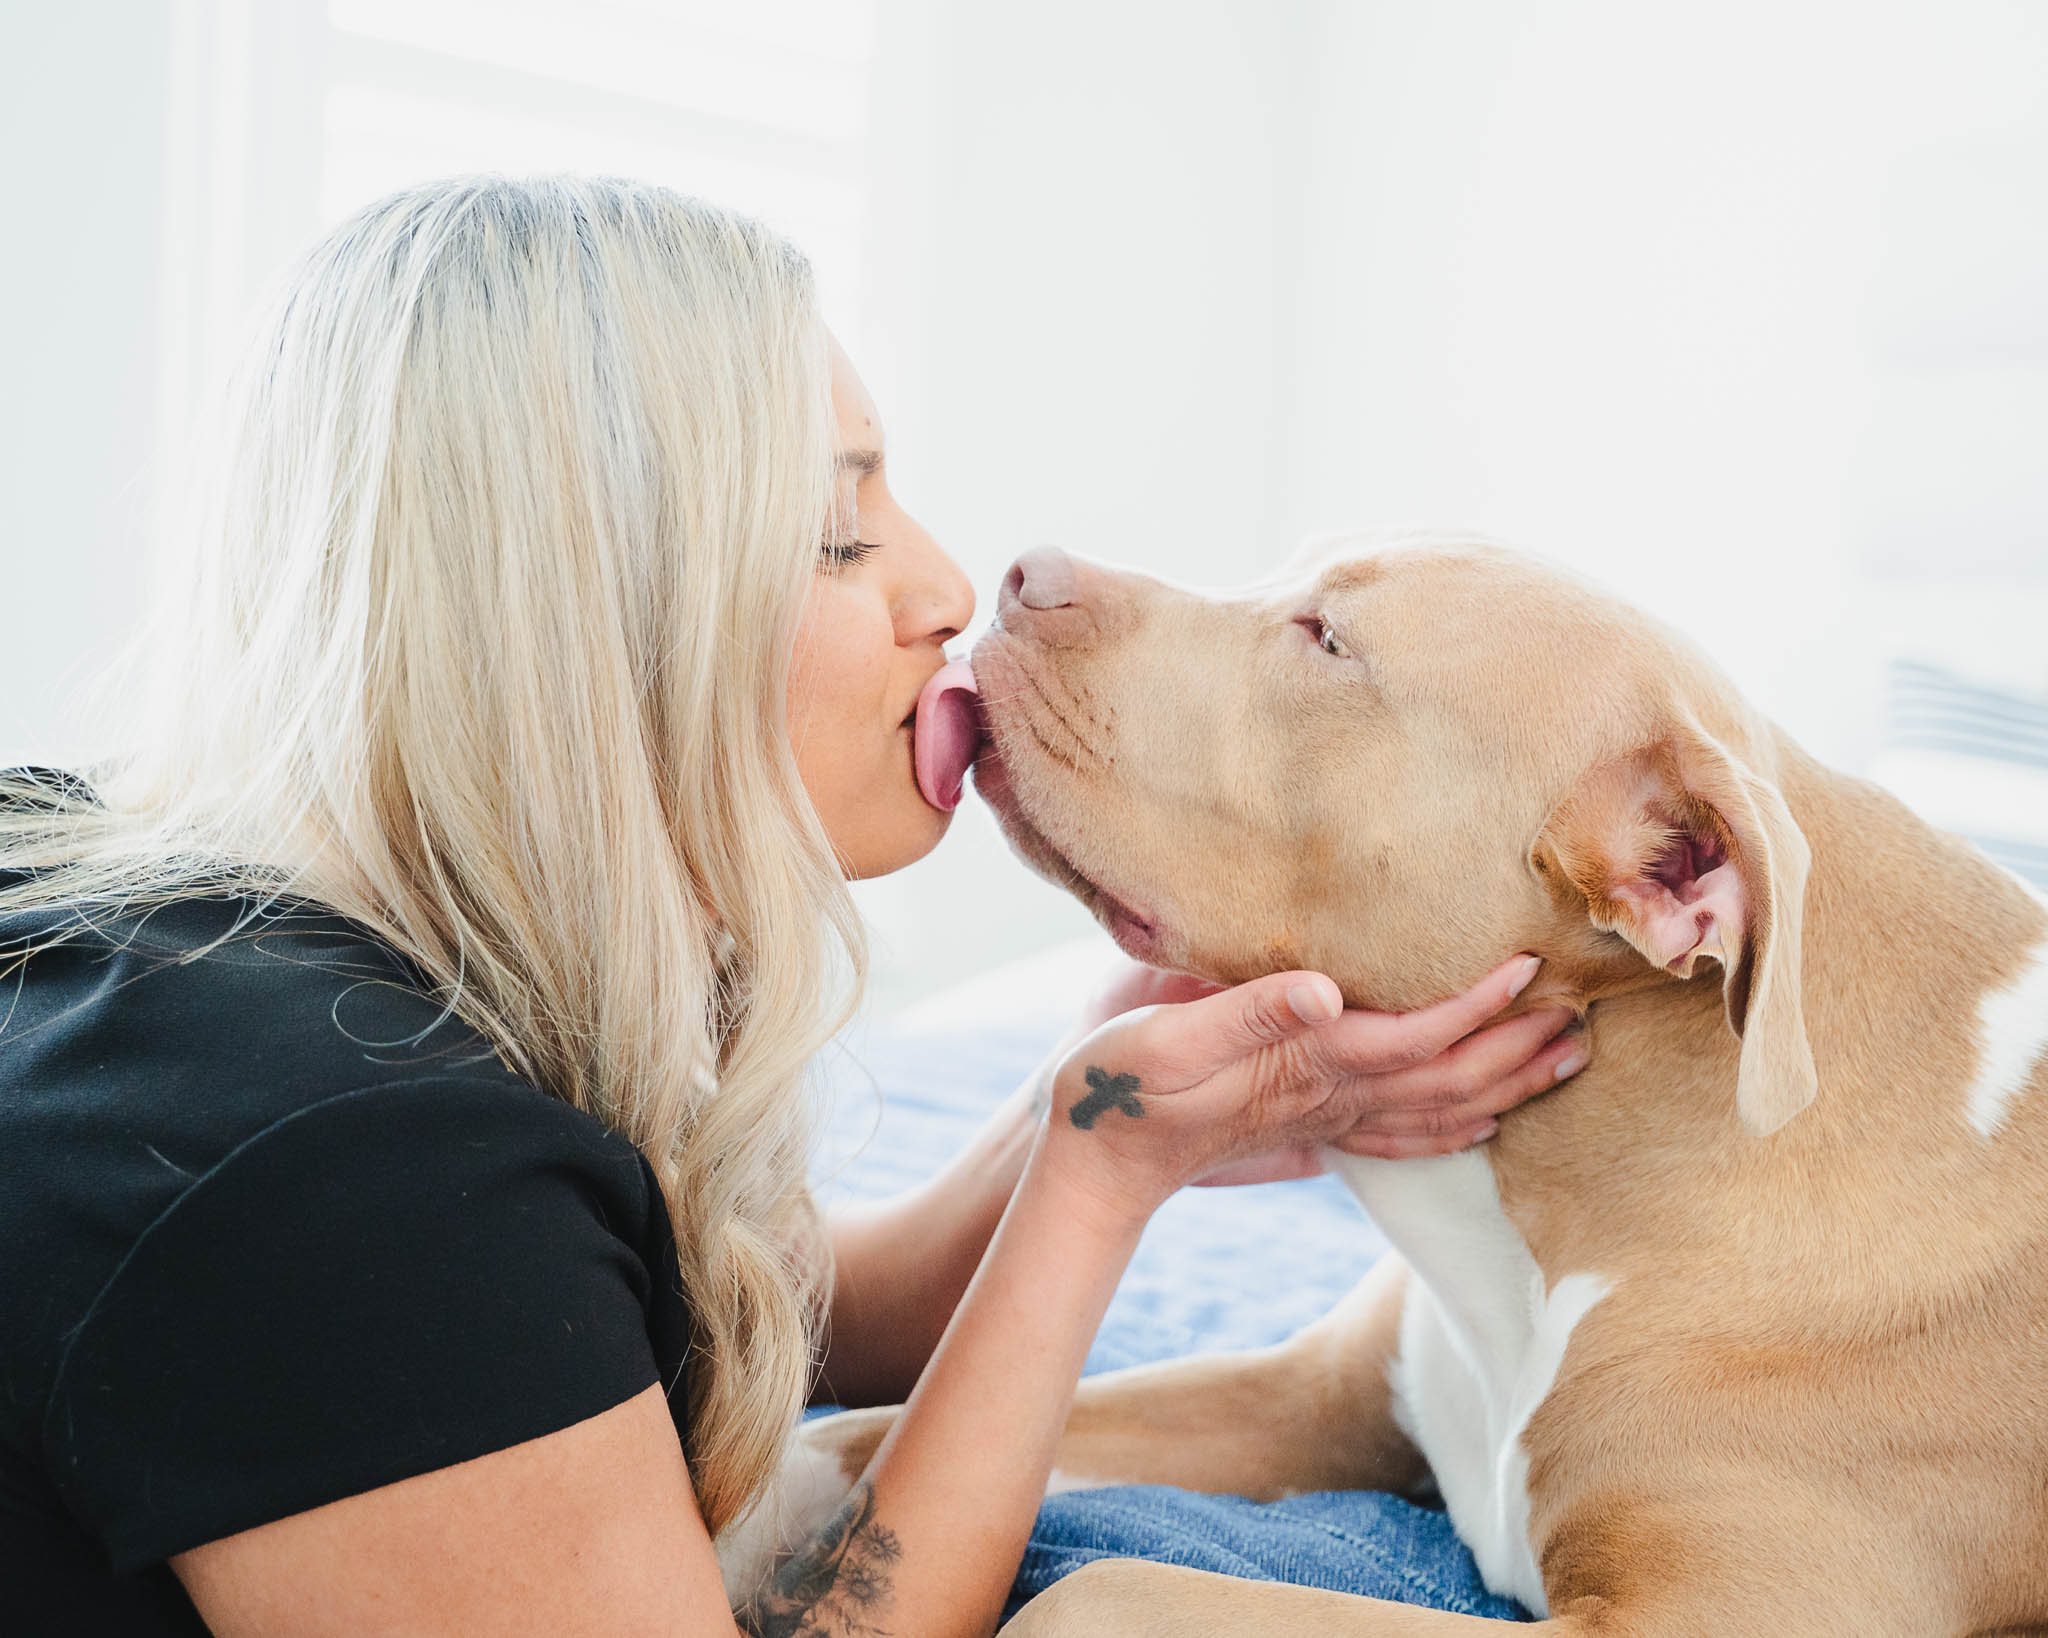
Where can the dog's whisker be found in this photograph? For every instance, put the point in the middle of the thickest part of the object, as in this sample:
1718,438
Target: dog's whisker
1079,739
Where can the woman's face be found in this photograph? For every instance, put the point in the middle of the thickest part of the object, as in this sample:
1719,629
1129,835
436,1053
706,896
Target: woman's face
885,601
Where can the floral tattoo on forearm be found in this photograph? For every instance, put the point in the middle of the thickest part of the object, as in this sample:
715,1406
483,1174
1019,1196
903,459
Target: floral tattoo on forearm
839,1586
1106,1092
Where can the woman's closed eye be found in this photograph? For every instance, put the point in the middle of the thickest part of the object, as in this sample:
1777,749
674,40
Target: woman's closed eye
845,554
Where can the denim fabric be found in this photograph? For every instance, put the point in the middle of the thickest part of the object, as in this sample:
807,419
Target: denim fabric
1354,1541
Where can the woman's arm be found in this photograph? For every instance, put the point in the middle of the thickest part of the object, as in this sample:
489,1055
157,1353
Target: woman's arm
929,1538
592,1530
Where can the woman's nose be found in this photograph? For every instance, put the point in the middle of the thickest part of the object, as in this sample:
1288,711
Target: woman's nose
941,603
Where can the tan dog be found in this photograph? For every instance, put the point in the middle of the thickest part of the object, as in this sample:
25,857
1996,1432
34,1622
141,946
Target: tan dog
1742,1331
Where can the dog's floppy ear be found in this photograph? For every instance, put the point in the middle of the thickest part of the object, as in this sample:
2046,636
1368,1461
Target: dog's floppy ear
1685,852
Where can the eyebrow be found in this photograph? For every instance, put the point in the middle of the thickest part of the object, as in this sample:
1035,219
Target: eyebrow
867,462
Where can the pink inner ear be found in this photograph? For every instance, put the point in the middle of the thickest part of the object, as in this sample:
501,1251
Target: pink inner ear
1689,903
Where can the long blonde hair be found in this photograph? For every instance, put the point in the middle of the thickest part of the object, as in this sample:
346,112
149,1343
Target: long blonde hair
485,646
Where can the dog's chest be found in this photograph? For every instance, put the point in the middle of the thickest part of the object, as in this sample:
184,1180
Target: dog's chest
1481,1342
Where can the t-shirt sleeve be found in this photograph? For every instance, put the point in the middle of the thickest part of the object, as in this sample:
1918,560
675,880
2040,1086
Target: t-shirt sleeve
391,1281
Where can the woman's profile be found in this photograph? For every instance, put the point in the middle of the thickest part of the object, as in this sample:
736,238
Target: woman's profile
403,1112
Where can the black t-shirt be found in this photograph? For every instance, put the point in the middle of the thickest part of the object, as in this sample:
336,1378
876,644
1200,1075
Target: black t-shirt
274,1230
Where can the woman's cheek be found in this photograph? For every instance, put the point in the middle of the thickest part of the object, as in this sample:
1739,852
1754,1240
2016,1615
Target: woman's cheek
828,660
843,721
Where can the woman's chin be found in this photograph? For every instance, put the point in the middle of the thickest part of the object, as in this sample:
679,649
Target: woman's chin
919,830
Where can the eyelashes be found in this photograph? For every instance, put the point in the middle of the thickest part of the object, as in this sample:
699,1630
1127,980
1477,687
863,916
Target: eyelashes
846,554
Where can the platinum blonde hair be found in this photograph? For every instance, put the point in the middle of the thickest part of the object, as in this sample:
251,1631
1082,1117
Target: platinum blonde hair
485,646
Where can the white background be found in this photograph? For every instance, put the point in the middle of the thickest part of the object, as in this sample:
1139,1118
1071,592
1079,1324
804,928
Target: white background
1743,310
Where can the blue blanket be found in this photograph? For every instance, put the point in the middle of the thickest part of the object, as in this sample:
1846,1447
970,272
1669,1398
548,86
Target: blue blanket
1217,1269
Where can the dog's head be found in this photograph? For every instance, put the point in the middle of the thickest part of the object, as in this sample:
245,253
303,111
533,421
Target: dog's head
1398,767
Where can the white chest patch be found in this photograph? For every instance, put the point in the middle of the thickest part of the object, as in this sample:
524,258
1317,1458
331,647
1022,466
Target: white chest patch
2012,1034
1481,1342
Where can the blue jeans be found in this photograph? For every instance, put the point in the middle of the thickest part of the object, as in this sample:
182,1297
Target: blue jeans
1354,1541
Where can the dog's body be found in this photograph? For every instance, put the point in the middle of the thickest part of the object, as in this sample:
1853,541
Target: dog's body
1741,1331
1722,1384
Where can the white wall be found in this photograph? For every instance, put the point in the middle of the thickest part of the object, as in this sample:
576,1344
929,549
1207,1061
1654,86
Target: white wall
82,94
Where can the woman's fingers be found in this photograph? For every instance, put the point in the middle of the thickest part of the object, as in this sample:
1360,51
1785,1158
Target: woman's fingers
1466,1115
1472,1067
1204,1033
1378,1043
1203,1036
1279,1061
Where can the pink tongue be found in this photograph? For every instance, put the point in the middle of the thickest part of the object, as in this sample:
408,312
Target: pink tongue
946,735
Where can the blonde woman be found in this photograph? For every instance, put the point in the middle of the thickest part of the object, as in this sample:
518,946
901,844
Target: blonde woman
402,1124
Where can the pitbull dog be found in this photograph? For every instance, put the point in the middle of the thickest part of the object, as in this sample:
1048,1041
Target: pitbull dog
1742,1331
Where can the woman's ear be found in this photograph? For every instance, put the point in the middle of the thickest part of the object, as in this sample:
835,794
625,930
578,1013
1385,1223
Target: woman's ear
1684,852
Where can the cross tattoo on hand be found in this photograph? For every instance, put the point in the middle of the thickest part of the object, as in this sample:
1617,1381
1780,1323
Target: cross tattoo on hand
1106,1092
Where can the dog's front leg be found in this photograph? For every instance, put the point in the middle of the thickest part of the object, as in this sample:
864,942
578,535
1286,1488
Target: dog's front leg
1312,1413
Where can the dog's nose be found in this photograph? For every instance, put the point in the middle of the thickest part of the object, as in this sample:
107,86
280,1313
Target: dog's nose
1060,601
1042,578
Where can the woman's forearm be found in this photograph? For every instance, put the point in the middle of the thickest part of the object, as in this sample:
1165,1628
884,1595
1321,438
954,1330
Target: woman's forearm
904,1263
929,1540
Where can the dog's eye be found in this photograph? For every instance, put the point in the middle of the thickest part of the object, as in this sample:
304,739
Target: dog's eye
1318,631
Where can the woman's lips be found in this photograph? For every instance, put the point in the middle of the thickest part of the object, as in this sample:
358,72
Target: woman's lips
945,733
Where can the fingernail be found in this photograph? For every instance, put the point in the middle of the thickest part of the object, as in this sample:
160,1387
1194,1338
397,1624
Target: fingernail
1486,1131
1571,1066
1521,979
1312,1003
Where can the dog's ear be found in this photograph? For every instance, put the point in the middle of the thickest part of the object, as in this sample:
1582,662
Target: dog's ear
1685,852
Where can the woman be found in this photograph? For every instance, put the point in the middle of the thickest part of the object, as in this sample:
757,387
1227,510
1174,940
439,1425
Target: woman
403,1131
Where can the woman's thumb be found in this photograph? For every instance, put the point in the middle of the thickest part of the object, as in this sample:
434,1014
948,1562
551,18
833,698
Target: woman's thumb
1271,1009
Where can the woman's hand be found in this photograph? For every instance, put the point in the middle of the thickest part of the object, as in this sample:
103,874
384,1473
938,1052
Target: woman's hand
1248,1083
